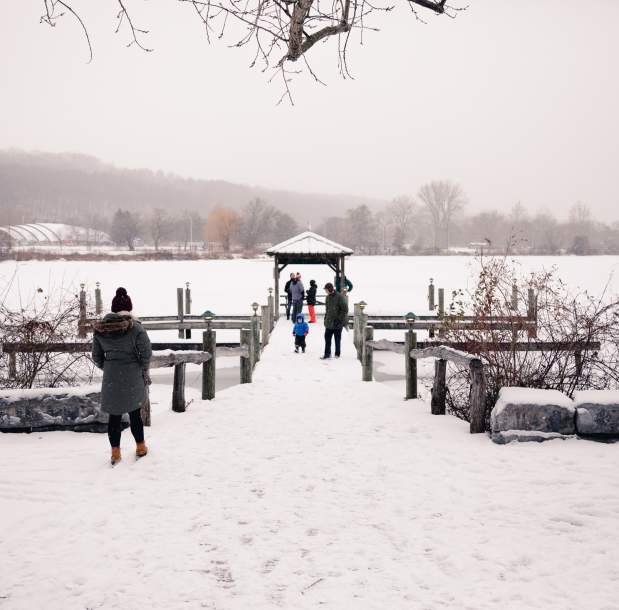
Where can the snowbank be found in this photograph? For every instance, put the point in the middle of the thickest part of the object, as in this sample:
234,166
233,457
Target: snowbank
38,394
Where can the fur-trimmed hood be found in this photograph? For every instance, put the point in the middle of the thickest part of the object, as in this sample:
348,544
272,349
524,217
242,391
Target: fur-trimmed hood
114,323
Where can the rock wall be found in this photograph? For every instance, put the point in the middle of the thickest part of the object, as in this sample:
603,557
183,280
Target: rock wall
42,409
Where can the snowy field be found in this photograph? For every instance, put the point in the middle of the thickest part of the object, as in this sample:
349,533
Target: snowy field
308,488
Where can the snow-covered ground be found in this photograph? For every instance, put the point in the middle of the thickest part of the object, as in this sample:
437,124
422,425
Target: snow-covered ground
307,489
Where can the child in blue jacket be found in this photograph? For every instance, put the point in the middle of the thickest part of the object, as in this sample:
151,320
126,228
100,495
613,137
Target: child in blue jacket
300,330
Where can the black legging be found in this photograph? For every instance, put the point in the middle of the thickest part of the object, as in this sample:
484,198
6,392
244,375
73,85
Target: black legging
114,428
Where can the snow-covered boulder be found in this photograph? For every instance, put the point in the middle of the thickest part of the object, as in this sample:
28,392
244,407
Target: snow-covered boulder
597,412
42,409
532,410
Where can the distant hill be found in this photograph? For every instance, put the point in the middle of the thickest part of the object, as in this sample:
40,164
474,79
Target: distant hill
53,187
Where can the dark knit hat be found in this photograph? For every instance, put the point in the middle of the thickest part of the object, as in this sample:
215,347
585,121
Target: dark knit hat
122,301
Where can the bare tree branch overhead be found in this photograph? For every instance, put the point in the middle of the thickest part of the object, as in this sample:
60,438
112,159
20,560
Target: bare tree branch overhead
278,31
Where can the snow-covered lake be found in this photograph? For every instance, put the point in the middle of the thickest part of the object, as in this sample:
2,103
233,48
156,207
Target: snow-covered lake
391,285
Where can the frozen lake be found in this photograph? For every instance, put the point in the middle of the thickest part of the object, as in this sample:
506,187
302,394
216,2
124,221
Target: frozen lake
391,285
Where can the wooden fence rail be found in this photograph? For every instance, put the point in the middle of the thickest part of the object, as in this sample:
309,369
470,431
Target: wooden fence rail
477,393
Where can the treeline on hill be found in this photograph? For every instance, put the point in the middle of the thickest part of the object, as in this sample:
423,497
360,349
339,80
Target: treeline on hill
224,230
80,189
435,221
163,210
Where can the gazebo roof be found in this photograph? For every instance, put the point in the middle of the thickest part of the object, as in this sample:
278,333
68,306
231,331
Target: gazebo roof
309,244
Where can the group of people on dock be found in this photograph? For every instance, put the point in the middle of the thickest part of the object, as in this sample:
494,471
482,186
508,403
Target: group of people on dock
336,312
122,349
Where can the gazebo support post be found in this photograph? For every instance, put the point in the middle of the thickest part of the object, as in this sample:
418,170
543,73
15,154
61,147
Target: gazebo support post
276,283
343,274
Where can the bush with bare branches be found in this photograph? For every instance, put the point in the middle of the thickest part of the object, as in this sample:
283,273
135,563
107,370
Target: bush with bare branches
43,319
563,317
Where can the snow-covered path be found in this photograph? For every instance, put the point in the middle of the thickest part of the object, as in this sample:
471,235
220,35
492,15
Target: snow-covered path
307,489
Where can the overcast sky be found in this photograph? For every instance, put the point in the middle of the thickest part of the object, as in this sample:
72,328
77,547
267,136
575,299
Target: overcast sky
516,101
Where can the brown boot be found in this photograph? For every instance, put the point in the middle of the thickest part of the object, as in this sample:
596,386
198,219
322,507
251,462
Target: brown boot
140,450
115,455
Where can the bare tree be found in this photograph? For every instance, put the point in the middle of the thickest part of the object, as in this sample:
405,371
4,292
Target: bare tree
256,221
277,31
362,228
160,225
401,212
125,228
222,225
443,200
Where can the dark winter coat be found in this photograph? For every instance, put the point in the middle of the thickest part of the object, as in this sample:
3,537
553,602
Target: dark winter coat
121,347
297,290
287,289
348,284
301,328
311,294
336,314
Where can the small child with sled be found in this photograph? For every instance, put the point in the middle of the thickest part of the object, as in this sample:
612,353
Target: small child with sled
300,330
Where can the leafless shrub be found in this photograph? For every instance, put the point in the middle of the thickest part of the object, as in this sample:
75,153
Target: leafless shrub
43,319
563,317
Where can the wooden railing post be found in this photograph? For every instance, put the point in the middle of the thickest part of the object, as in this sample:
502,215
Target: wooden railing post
410,364
439,389
265,324
431,304
531,314
514,299
209,344
98,300
441,310
271,302
477,397
178,389
367,361
255,331
355,327
246,364
81,323
187,307
179,307
12,365
363,322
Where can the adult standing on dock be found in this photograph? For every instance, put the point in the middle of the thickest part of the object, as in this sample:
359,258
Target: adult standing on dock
288,295
311,300
121,347
336,317
297,292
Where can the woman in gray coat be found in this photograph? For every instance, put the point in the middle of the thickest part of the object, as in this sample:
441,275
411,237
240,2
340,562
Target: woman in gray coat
121,347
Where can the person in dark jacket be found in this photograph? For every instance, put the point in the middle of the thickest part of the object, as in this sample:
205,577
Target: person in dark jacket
289,295
121,347
336,318
311,301
297,292
300,330
347,283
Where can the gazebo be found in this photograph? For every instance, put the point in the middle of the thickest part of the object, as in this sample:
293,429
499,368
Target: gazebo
309,248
